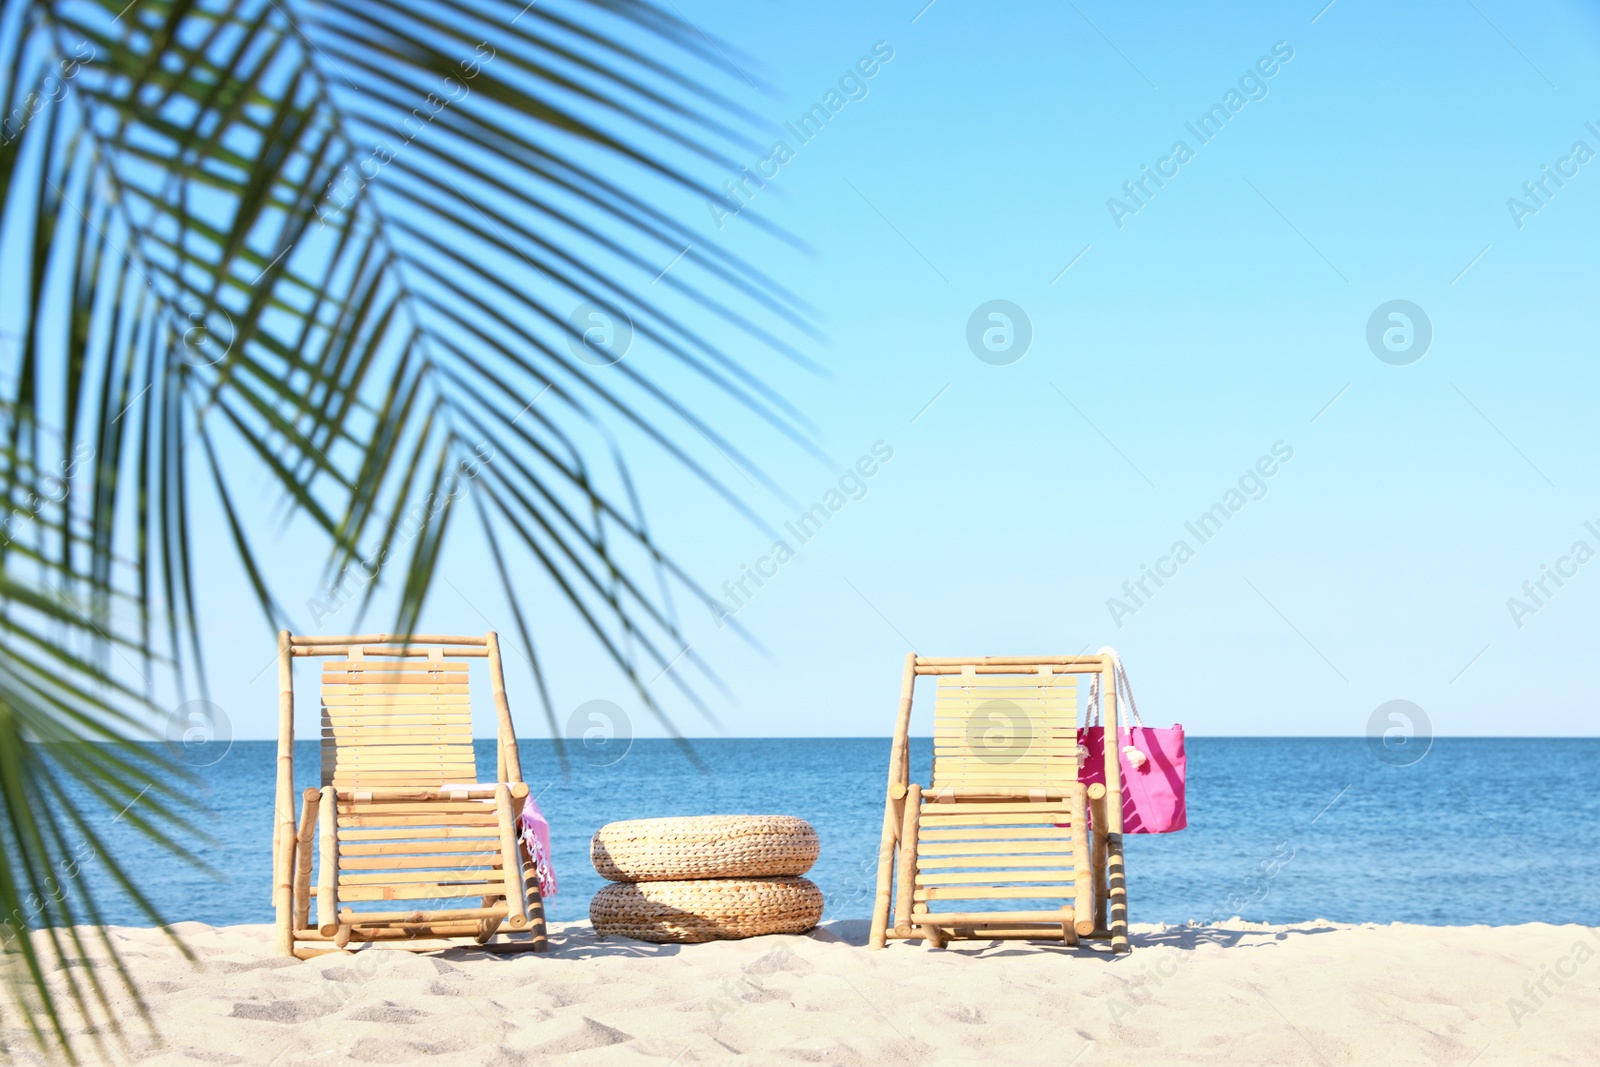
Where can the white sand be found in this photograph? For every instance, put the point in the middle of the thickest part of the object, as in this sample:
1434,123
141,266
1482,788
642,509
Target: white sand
1231,993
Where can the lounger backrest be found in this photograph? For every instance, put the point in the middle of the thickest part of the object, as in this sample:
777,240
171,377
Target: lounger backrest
396,721
1005,730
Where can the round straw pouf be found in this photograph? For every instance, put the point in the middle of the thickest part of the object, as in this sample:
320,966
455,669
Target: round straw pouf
706,909
704,846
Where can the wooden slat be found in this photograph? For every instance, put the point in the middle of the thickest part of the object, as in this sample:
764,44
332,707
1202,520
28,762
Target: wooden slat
453,750
1059,772
1007,681
497,911
1046,833
398,735
455,834
987,736
992,877
954,777
375,725
1019,767
968,778
961,741
410,715
481,876
401,777
970,807
931,823
428,807
989,711
420,891
473,860
1000,761
422,849
980,728
969,731
379,762
399,821
456,733
459,766
357,700
979,918
1013,749
443,810
1041,705
1025,822
412,765
384,676
376,780
983,892
1061,847
1037,744
363,751
415,689
948,703
390,665
935,863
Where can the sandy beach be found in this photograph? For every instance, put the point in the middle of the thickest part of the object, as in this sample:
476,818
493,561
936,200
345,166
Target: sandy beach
1236,992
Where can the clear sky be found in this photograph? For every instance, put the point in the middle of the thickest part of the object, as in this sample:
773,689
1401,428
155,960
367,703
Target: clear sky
1200,342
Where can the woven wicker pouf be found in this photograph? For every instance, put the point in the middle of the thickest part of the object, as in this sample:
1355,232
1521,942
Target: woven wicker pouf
706,909
704,846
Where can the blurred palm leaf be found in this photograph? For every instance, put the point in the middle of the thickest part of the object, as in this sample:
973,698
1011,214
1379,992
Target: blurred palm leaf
336,246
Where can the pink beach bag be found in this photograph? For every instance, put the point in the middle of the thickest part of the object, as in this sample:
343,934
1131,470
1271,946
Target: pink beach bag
1152,788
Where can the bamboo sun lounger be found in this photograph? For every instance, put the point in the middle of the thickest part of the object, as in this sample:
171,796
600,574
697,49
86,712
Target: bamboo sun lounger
1004,816
399,821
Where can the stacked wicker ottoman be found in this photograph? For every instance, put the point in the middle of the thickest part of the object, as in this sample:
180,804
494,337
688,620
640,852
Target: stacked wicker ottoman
705,878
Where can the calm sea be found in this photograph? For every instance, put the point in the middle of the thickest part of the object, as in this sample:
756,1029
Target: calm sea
1280,830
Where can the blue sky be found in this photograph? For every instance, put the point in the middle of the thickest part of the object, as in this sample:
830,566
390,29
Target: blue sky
1169,355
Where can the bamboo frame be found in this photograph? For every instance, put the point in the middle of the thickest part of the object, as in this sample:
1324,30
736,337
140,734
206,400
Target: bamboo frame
471,827
283,808
302,873
1098,908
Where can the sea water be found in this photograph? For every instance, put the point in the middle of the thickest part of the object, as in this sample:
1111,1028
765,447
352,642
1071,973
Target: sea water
1480,830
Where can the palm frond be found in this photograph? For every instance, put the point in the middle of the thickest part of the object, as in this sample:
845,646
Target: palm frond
342,247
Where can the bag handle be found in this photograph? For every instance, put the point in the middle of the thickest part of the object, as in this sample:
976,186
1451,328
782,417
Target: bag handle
1124,690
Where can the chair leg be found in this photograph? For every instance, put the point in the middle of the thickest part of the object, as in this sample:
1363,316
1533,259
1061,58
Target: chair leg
538,935
906,876
487,927
304,841
1117,876
328,855
892,813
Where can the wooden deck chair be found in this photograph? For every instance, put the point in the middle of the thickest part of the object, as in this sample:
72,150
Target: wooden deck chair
410,849
1004,817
